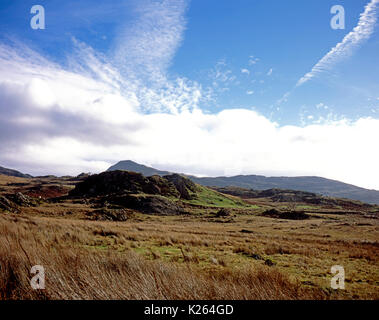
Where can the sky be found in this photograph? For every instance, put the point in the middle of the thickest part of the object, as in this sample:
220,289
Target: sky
199,87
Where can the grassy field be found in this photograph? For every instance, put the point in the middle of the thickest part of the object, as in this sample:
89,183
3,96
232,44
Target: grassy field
199,256
210,198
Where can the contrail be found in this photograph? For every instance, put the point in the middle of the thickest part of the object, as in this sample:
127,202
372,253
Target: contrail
360,33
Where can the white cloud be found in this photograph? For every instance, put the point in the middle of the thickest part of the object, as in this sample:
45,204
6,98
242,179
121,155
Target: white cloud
352,40
245,71
145,48
56,120
88,126
250,92
269,73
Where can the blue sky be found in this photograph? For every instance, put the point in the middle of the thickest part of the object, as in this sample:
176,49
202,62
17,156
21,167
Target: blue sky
285,38
196,63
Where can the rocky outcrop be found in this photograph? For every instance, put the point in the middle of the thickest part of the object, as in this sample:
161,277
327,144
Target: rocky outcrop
150,204
185,186
123,182
152,195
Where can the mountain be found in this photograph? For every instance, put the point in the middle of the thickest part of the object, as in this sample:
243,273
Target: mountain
13,173
129,165
318,185
323,186
293,196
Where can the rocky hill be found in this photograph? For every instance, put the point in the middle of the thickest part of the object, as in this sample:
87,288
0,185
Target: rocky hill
124,182
154,194
323,186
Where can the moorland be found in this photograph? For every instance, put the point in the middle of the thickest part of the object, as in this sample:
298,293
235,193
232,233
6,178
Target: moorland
121,235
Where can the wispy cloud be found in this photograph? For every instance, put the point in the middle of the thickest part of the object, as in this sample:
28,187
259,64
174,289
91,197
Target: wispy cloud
222,77
352,40
253,60
145,47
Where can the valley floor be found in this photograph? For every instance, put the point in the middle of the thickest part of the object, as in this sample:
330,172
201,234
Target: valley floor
152,257
195,256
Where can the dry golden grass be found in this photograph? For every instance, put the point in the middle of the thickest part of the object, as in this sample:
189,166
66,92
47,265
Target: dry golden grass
196,256
180,258
74,272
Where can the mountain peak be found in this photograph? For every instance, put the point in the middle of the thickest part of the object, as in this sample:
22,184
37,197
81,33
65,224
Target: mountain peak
129,165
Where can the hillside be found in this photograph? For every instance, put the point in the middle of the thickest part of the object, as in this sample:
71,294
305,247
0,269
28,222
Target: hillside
155,194
323,186
295,197
13,173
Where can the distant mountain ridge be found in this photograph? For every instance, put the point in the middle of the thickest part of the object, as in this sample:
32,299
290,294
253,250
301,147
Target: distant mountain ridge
318,185
323,186
13,173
